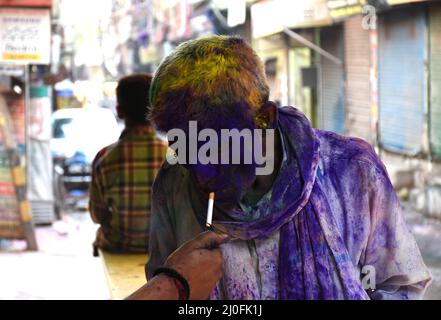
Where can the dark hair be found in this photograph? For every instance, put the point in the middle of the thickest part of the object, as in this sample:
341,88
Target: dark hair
132,94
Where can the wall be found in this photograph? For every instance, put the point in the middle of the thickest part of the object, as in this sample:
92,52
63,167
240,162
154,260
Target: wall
357,68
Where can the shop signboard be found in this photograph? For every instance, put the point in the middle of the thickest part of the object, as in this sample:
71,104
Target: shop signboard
25,36
340,9
270,17
25,3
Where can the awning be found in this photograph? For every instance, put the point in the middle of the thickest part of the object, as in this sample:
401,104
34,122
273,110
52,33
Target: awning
312,46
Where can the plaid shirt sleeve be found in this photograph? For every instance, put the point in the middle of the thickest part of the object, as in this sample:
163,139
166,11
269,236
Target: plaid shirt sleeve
97,206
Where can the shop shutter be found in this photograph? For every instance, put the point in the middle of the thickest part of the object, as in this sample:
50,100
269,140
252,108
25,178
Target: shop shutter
402,79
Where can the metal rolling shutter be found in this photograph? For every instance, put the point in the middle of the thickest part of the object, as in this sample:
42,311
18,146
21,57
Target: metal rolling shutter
402,83
435,79
357,62
332,98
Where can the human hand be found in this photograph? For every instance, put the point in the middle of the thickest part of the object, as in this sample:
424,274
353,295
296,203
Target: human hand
199,261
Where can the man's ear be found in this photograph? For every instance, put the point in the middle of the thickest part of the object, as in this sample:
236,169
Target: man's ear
267,116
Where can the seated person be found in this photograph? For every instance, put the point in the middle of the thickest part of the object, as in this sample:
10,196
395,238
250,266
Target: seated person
316,227
122,173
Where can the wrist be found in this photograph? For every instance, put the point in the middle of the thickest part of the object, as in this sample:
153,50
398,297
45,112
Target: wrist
169,287
180,282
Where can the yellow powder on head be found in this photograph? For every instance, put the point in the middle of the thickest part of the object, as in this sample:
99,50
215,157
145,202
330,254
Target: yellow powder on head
224,70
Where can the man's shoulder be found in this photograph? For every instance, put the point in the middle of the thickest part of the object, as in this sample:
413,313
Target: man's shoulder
103,154
142,134
116,149
171,176
353,150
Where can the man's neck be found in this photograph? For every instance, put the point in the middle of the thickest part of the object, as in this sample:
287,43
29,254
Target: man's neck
131,124
264,183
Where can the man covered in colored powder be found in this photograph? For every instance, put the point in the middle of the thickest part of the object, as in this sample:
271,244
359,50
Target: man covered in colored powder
325,219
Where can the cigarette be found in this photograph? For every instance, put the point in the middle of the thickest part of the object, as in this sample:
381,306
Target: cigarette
210,209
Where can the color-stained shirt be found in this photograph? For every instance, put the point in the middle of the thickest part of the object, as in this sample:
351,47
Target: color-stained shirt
346,237
120,192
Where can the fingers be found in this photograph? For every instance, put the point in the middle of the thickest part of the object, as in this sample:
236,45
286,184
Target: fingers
210,240
216,257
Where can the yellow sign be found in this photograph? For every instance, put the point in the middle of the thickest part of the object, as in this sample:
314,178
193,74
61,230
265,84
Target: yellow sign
339,9
345,12
21,56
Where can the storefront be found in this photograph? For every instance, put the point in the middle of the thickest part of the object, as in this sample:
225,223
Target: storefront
288,45
24,41
15,212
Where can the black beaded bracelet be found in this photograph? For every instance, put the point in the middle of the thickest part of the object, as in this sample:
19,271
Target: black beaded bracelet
177,276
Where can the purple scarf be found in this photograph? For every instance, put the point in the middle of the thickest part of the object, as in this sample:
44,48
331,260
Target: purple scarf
314,262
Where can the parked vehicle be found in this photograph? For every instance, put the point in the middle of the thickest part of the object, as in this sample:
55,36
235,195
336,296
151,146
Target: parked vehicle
72,177
78,134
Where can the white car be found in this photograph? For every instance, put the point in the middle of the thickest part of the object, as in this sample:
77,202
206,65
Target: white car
77,135
85,130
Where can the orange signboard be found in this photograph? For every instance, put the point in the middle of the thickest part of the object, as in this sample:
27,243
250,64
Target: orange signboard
26,3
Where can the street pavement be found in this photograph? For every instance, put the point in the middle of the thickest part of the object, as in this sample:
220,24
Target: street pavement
427,232
64,267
